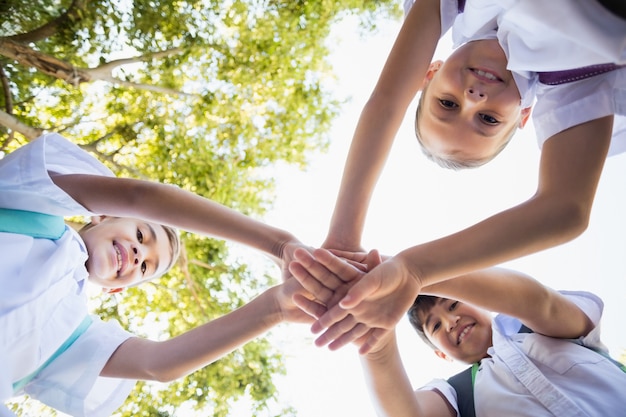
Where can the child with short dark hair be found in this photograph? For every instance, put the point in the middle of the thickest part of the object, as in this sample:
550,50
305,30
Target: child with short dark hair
558,368
51,348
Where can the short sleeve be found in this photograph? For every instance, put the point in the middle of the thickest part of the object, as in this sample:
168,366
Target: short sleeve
26,185
72,383
444,389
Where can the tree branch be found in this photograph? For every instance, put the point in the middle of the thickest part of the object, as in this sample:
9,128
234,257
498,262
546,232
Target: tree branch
73,75
52,27
14,124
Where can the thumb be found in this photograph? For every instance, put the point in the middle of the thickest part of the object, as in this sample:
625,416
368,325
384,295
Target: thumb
372,259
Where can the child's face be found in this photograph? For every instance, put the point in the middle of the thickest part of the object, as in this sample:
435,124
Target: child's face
125,251
459,331
470,104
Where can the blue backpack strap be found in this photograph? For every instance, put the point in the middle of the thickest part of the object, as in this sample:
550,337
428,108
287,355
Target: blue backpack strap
37,225
82,327
463,384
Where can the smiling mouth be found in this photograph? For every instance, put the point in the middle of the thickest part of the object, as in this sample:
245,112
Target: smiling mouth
463,333
485,74
118,257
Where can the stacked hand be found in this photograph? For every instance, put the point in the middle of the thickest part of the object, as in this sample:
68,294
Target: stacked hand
360,298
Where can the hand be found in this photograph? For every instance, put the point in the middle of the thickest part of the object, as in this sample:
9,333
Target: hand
328,278
378,300
287,256
358,259
284,297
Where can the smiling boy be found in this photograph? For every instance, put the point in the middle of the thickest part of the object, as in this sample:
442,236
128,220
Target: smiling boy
559,368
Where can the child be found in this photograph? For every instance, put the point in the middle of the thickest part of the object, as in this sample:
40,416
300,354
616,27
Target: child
472,104
561,368
50,347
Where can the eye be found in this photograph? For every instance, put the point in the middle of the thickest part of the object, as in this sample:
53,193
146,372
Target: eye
453,305
436,327
143,267
490,120
448,104
139,236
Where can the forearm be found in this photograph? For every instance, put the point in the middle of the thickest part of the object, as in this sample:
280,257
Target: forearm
571,165
170,205
400,80
515,294
389,386
369,149
528,228
174,358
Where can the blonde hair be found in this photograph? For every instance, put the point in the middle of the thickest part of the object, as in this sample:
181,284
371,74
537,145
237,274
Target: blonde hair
450,161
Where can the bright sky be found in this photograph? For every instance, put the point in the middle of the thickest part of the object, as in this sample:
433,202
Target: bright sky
415,202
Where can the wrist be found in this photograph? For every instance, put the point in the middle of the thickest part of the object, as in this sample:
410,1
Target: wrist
409,267
272,311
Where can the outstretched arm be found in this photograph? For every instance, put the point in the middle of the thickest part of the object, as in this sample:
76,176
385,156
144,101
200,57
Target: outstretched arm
174,358
170,205
399,82
571,165
515,294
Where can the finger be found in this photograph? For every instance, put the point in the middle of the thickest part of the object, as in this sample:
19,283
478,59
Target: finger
318,270
353,256
336,331
335,265
333,315
310,307
310,283
353,335
373,259
375,336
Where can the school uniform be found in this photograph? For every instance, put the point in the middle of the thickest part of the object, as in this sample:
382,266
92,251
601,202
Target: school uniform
42,296
540,36
528,374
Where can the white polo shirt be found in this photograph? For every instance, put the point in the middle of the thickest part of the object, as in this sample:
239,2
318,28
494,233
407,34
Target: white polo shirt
528,374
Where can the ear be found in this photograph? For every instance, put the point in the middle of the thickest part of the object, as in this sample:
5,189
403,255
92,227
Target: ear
443,356
112,290
432,69
525,115
98,219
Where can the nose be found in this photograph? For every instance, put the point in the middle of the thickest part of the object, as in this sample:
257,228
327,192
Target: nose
138,255
450,321
476,94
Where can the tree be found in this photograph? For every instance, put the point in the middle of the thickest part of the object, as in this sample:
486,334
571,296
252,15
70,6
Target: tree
202,94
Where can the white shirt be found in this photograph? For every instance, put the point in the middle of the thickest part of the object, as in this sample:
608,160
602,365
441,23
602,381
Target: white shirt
538,36
565,377
43,295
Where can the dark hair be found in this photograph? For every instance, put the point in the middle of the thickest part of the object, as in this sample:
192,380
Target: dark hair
421,306
449,161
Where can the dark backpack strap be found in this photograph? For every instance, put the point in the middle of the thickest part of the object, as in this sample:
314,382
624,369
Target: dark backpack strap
464,387
463,384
